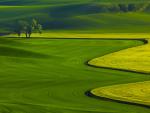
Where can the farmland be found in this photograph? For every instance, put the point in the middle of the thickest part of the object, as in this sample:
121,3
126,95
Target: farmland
137,93
38,77
132,59
84,45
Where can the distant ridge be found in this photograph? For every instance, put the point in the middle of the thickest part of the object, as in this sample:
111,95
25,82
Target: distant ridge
78,15
45,2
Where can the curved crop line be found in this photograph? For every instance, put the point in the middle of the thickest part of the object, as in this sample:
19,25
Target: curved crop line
145,42
89,93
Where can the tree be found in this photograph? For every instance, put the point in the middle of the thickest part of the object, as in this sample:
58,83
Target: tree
39,28
19,27
36,27
132,7
28,27
123,7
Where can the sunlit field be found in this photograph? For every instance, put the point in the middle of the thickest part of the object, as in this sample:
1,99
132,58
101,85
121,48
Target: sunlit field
67,34
48,75
133,59
133,92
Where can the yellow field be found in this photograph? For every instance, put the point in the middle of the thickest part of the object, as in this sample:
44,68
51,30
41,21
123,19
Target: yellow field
88,35
136,58
133,92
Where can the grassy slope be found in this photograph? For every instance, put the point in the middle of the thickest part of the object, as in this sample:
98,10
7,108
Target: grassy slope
75,16
41,75
133,92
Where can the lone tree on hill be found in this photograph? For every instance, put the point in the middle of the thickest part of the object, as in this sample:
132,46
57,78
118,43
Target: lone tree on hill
28,27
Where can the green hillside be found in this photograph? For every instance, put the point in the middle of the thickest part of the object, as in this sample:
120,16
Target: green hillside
49,76
94,16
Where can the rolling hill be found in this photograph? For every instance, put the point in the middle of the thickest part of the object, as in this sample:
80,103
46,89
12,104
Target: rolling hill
51,75
94,16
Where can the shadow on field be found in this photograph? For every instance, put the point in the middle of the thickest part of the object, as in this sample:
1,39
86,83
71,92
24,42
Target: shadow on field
15,52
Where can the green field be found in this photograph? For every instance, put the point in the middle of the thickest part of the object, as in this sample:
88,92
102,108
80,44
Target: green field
50,75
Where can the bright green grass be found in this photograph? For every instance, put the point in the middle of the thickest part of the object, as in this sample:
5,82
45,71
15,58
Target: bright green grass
50,75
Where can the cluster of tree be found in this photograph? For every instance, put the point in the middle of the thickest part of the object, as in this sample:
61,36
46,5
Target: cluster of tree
124,7
27,27
129,7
